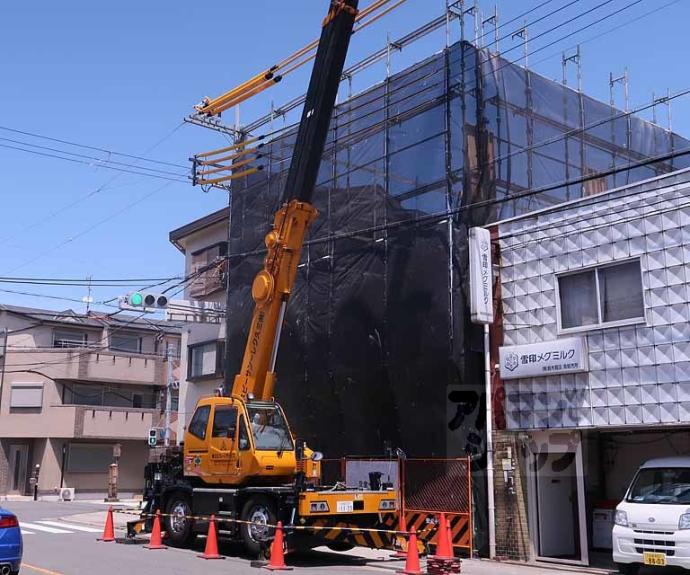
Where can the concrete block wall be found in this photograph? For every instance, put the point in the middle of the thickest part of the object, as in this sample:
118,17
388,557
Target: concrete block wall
512,532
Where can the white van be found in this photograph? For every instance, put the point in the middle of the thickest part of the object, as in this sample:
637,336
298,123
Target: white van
652,523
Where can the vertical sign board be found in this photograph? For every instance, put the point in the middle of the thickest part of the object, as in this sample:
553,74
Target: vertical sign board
481,276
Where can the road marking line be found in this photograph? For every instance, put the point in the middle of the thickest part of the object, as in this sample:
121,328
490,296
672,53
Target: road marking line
25,532
41,570
70,526
37,527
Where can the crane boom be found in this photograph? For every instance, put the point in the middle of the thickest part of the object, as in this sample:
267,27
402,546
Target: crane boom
273,284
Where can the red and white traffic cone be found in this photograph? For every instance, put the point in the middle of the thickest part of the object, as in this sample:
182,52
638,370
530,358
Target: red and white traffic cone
108,530
211,551
156,541
412,566
277,561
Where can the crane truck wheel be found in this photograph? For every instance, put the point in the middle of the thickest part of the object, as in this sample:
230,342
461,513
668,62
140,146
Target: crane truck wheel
178,525
256,536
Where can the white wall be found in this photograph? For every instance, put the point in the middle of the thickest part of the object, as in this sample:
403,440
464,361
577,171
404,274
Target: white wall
638,375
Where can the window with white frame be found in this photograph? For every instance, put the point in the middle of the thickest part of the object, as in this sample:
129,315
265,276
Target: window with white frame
600,296
69,338
205,360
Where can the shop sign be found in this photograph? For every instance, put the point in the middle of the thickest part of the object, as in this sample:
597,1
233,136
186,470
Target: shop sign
567,355
481,276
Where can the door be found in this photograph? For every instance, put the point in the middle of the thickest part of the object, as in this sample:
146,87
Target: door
556,498
18,459
196,448
223,460
557,506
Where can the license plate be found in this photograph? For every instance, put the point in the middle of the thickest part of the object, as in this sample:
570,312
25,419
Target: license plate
344,506
658,559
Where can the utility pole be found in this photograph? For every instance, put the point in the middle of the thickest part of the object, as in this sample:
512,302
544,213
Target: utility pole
168,392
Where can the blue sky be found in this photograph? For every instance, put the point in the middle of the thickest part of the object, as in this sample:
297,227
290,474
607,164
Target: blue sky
122,75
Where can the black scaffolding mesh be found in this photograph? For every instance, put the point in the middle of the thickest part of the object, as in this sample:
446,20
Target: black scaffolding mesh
377,344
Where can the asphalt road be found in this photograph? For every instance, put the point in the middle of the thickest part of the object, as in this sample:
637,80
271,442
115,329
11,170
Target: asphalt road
60,539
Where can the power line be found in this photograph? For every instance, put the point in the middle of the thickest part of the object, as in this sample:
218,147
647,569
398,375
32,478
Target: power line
95,148
90,194
77,161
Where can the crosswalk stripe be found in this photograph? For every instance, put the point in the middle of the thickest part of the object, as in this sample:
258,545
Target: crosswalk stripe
70,526
46,529
25,532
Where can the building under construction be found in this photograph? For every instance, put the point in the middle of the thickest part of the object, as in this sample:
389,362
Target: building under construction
378,349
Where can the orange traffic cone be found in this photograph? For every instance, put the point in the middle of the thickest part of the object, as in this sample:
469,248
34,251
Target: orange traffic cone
400,553
211,551
443,548
412,566
156,539
108,530
277,562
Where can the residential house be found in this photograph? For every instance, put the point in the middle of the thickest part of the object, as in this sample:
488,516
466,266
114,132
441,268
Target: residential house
72,387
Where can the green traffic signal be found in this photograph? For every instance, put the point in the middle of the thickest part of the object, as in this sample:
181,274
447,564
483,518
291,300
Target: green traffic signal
136,299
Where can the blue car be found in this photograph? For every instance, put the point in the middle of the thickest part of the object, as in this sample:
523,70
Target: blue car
10,543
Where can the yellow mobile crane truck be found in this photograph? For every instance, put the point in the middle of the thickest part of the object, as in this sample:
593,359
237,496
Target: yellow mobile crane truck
240,460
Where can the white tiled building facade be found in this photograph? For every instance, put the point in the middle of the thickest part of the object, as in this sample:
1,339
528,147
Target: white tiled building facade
635,321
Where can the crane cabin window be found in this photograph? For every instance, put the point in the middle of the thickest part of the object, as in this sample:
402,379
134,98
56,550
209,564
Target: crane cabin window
603,296
225,422
199,423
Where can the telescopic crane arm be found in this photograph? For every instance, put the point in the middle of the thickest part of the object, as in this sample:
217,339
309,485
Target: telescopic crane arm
274,283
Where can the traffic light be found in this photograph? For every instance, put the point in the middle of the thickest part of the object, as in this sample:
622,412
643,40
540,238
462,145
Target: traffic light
153,437
143,301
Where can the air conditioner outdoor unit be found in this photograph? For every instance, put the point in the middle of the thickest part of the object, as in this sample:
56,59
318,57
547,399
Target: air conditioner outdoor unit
67,494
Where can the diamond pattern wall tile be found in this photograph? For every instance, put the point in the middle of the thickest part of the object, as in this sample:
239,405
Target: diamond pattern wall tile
657,297
631,375
555,419
573,242
614,377
596,360
612,358
585,417
526,420
611,339
568,382
678,313
667,392
595,342
575,260
674,256
665,373
681,350
648,374
657,278
677,294
524,385
633,414
682,371
637,246
597,379
654,242
618,231
541,401
684,412
621,249
526,402
658,315
631,394
550,332
664,353
670,220
652,224
604,253
617,415
650,413
675,275
644,336
649,394
679,333
546,266
653,260
684,217
683,390
601,416
668,412
672,238
541,419
616,396
629,357
589,257
686,253
636,227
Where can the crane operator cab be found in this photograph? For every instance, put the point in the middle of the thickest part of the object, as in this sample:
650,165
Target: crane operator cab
232,442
